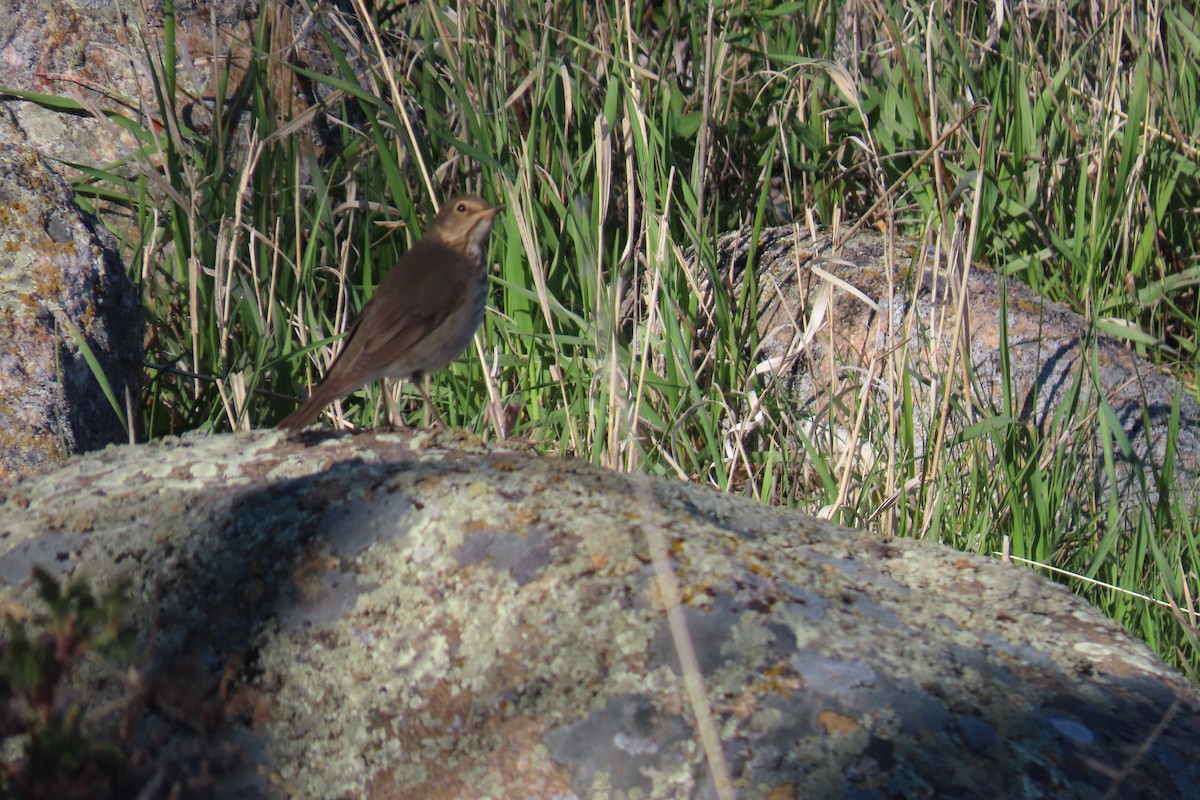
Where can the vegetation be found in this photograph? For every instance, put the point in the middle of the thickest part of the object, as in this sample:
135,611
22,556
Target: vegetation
1059,142
41,656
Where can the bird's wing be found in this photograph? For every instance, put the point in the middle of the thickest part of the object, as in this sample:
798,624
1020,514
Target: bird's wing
413,299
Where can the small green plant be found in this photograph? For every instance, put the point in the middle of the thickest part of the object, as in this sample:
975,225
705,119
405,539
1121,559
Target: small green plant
39,655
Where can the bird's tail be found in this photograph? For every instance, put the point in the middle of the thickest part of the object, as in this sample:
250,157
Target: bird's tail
309,410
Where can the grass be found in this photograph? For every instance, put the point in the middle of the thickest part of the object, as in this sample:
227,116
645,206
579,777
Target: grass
623,138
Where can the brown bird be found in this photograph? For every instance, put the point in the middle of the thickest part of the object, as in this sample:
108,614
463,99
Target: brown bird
423,314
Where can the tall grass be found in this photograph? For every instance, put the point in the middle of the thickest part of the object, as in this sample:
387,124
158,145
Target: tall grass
1056,145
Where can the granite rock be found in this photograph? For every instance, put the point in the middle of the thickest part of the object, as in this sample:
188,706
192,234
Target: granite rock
833,309
61,282
404,615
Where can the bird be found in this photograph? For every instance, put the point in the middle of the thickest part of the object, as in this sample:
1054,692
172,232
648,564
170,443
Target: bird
423,314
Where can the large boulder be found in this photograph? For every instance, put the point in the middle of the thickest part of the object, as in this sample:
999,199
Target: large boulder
102,58
69,318
833,309
99,54
412,615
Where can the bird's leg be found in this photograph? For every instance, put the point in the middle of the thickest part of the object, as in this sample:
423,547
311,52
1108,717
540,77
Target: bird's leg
389,404
430,408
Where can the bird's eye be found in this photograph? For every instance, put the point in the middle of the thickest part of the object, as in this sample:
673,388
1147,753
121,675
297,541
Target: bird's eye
461,208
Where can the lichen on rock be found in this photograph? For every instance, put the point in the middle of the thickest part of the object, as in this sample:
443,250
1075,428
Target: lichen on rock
422,615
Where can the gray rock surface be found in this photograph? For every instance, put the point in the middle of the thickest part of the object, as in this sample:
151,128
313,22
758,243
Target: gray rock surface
95,51
413,615
107,57
911,321
58,268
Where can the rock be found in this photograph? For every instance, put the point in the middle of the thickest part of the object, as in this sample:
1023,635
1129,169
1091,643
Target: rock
1049,347
59,270
414,615
96,51
98,54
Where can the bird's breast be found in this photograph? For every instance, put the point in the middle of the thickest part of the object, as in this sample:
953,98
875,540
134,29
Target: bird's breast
448,340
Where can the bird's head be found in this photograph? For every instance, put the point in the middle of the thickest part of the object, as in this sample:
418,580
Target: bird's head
464,223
